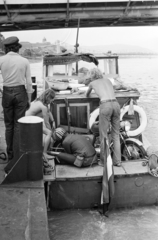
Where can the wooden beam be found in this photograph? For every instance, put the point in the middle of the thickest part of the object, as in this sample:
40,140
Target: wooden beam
93,15
63,1
52,9
67,15
7,10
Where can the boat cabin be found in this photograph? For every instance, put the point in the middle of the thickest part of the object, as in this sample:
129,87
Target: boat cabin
80,106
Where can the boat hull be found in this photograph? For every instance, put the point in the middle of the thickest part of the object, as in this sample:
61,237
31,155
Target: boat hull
134,187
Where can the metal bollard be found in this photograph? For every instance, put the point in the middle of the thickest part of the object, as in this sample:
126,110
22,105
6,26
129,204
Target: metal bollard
30,144
34,87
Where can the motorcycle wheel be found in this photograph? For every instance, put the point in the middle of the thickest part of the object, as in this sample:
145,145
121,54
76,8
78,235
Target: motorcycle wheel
132,151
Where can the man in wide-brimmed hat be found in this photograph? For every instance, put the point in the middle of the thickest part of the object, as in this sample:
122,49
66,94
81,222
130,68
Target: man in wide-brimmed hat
17,90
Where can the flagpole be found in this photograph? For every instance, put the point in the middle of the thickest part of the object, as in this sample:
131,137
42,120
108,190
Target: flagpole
77,45
108,178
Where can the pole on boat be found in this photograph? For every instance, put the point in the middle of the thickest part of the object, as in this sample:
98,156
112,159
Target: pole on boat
77,45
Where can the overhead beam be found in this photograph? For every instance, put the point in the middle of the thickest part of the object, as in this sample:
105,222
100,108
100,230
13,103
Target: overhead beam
113,14
67,15
7,10
10,2
73,8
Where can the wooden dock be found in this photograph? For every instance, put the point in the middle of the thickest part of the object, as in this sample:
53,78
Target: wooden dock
23,212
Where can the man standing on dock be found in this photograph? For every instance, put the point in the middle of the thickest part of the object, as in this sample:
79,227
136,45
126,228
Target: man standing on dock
16,97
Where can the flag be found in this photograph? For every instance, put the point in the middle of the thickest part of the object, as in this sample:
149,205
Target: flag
108,188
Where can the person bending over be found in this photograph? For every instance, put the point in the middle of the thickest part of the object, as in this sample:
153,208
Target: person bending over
78,150
39,107
109,112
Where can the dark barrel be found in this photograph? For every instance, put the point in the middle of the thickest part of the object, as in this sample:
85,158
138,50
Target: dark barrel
30,145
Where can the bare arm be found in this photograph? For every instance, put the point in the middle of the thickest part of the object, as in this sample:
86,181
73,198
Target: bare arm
45,114
51,118
28,82
89,90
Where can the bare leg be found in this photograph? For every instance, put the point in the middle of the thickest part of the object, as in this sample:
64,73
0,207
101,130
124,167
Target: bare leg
66,157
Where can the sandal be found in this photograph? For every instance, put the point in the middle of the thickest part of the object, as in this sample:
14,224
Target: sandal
117,165
47,165
48,171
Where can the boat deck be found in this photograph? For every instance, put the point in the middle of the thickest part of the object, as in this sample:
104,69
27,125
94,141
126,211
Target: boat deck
67,172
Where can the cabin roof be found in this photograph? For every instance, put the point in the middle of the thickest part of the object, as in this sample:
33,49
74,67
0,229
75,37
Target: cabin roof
17,15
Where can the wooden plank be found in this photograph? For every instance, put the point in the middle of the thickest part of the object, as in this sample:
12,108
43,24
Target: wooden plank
64,172
135,167
70,172
119,171
58,1
118,93
67,172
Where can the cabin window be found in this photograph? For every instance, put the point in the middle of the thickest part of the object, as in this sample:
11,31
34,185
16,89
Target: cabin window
79,116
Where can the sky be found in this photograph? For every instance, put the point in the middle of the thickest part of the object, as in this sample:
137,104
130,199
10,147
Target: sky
137,36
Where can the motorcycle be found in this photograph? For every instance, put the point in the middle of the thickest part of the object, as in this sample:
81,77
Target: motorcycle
131,148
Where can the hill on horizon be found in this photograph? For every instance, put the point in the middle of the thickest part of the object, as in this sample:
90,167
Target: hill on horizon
114,48
118,48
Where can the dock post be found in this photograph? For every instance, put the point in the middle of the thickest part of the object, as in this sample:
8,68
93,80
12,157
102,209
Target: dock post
112,66
66,70
29,167
50,70
105,67
70,69
44,75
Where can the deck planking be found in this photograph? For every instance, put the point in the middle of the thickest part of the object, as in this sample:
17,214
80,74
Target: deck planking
68,172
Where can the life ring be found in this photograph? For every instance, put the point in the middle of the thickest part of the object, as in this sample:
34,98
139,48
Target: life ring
132,133
142,116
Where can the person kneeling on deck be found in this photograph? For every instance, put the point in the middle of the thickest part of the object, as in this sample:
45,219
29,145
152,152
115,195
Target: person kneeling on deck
78,150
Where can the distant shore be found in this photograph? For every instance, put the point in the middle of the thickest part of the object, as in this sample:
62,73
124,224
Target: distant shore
138,56
39,59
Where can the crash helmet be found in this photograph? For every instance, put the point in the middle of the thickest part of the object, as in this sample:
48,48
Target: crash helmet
59,133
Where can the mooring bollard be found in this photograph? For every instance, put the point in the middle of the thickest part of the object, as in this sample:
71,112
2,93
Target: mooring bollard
30,144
